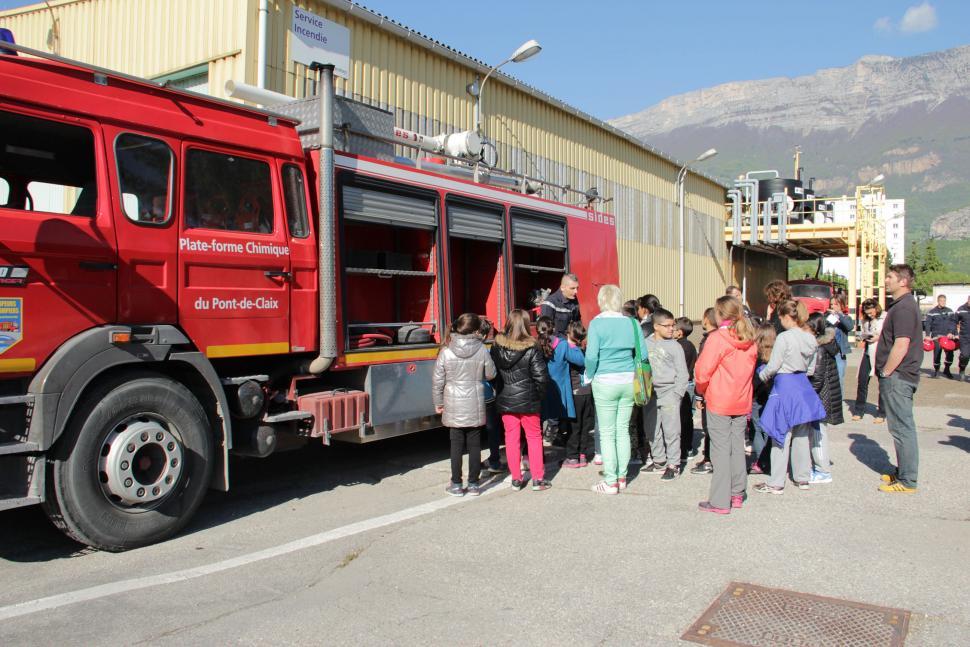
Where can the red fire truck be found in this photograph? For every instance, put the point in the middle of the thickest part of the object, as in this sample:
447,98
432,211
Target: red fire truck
184,296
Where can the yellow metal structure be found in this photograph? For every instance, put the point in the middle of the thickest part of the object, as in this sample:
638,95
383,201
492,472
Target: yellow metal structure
871,234
863,241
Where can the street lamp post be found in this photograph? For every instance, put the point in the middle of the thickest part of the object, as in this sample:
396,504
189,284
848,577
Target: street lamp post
681,179
525,51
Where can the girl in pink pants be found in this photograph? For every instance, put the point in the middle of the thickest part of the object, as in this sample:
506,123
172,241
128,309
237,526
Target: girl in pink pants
521,385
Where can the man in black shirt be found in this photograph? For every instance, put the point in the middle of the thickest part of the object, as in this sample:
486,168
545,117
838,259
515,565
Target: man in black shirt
898,358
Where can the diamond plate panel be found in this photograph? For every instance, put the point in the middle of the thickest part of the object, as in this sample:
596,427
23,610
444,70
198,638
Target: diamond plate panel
746,615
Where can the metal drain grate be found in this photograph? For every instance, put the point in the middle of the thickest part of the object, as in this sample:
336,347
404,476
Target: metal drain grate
756,616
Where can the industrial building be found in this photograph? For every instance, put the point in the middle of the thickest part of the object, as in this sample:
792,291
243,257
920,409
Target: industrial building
202,45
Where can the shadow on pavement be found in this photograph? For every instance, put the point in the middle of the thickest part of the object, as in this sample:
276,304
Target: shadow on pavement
960,442
870,453
26,535
959,422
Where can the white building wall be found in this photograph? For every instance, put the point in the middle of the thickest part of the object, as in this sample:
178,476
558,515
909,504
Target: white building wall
893,215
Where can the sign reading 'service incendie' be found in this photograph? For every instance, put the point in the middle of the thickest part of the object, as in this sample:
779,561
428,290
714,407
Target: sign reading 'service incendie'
318,40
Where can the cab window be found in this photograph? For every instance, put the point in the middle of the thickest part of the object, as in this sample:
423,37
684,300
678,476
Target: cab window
47,166
227,192
294,194
145,178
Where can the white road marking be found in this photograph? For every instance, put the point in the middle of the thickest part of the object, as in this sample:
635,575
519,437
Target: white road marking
136,584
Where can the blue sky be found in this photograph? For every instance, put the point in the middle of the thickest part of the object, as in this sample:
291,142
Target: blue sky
614,57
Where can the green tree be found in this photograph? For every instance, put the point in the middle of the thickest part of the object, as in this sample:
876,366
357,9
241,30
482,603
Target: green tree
931,262
915,259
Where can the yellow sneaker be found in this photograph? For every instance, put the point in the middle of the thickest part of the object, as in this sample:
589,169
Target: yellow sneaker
896,488
888,478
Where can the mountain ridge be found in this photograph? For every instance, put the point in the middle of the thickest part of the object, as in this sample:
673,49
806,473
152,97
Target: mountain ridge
907,118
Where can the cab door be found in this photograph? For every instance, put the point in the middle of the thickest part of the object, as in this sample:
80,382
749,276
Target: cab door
143,191
234,266
304,322
58,263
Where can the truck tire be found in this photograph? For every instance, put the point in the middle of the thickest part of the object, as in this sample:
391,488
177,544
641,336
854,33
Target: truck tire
133,465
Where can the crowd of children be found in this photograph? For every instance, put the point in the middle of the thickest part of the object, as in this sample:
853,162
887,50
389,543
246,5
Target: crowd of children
624,392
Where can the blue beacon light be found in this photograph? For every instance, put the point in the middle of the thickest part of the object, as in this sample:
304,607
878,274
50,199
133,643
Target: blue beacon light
6,36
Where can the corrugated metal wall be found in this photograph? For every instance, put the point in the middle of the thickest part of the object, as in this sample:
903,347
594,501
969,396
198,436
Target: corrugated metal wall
141,37
425,88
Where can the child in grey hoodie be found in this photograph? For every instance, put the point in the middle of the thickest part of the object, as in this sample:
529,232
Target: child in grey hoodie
670,378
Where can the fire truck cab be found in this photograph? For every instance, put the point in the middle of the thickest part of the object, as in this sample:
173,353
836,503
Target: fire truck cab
162,284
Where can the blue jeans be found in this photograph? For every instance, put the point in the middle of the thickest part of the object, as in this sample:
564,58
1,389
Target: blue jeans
840,364
760,443
897,397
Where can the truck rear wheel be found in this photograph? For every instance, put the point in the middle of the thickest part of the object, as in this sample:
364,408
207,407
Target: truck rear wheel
133,464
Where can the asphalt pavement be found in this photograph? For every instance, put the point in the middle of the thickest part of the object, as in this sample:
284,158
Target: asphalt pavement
360,544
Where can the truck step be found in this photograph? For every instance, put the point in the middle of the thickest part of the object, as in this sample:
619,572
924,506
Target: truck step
336,412
16,447
10,502
287,416
16,399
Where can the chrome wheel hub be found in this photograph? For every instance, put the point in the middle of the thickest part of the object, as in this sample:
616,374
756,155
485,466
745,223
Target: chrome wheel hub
141,461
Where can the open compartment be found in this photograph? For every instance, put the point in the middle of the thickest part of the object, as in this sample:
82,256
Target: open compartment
390,267
476,267
538,254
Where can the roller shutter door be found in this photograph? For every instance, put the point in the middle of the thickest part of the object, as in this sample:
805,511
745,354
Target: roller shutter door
368,205
532,231
475,222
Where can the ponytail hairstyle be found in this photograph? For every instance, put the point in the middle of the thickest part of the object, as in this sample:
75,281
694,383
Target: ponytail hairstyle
764,337
576,331
545,329
730,309
466,324
796,310
517,326
817,324
709,317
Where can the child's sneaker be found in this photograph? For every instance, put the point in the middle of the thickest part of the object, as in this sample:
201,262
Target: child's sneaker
582,460
606,488
597,459
670,473
655,468
621,482
705,506
517,485
538,485
803,485
473,490
737,500
769,489
495,468
454,489
572,463
704,467
820,477
755,469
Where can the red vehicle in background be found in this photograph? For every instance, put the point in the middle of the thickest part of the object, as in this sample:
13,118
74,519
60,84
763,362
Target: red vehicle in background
815,294
195,278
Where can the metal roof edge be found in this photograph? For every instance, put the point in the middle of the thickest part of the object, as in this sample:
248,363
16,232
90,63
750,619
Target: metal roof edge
389,24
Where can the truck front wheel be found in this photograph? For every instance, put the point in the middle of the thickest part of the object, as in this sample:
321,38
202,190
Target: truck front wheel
133,464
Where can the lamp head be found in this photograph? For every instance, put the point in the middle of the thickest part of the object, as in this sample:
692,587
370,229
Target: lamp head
878,179
706,155
526,50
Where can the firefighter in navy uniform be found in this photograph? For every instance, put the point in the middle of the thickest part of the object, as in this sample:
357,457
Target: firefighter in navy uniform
962,318
562,306
940,322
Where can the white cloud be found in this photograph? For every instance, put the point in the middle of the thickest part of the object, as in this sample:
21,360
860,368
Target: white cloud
918,19
883,25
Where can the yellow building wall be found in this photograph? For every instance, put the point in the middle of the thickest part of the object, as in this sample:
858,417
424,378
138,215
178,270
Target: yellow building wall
426,89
